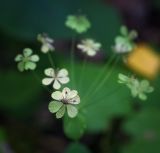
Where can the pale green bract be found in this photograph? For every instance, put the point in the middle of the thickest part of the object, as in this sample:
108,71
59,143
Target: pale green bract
79,23
47,43
64,101
26,61
89,46
57,77
124,43
138,88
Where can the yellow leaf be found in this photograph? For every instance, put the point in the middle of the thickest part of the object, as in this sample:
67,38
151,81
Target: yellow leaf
144,60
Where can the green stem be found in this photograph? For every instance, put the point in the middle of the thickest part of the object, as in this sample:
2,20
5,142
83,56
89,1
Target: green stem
103,99
102,83
72,62
96,82
50,60
39,80
107,76
82,72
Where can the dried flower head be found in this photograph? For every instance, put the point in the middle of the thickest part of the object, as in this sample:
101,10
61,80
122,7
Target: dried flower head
64,100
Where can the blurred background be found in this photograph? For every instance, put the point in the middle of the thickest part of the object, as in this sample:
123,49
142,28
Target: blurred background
26,125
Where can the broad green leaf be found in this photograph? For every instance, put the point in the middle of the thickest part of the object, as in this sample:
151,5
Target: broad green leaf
153,98
144,129
110,100
74,127
105,20
77,148
19,93
3,135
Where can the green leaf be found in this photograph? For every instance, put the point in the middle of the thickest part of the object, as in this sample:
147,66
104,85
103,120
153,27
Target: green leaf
101,107
30,65
78,23
18,58
142,96
3,135
27,52
124,30
144,129
34,58
72,111
74,127
19,93
121,40
26,27
61,112
77,148
20,66
134,91
54,106
123,78
132,35
144,84
154,96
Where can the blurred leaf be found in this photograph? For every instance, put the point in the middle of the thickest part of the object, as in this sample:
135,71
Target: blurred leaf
18,92
25,19
144,127
110,101
74,127
2,135
156,3
153,98
77,148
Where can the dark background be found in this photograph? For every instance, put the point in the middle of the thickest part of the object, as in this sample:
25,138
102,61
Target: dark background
26,126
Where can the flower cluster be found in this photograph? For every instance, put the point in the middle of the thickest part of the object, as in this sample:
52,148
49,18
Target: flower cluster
78,23
64,100
56,77
47,43
124,43
67,100
89,46
138,88
26,61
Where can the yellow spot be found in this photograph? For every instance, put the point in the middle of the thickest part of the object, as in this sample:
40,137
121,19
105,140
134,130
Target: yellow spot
144,60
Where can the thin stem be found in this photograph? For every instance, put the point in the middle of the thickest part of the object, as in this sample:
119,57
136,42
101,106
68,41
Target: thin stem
82,72
107,76
72,61
39,80
50,60
103,81
101,101
96,82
